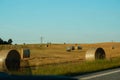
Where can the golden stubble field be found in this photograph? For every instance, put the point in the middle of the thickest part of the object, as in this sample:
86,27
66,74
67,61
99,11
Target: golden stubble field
56,53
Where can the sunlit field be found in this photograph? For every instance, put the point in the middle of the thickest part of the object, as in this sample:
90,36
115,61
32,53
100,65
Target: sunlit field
55,60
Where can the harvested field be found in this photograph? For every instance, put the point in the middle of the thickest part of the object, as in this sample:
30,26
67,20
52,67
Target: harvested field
56,53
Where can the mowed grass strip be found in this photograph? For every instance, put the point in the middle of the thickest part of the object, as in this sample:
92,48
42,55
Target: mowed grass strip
71,69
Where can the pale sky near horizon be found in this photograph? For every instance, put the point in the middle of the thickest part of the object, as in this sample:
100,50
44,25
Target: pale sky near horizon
59,21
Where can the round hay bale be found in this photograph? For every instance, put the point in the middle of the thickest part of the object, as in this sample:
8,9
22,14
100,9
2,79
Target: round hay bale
113,47
9,60
95,53
25,53
68,49
47,45
79,48
72,48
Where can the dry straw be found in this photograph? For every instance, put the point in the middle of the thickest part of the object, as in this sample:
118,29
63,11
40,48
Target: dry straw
95,53
9,60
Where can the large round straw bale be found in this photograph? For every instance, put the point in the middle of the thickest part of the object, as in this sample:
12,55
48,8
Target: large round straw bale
25,53
9,60
79,48
68,49
95,53
72,48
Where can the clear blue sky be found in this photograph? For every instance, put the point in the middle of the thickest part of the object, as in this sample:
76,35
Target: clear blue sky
70,21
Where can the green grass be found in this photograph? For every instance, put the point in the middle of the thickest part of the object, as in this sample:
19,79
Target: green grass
70,69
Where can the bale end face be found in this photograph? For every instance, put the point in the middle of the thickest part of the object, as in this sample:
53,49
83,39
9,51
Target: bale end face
79,48
100,53
24,53
12,61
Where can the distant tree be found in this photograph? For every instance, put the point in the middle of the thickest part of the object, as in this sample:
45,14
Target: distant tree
10,41
5,42
1,41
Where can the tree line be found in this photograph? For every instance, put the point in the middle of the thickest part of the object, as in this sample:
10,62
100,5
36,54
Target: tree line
5,42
